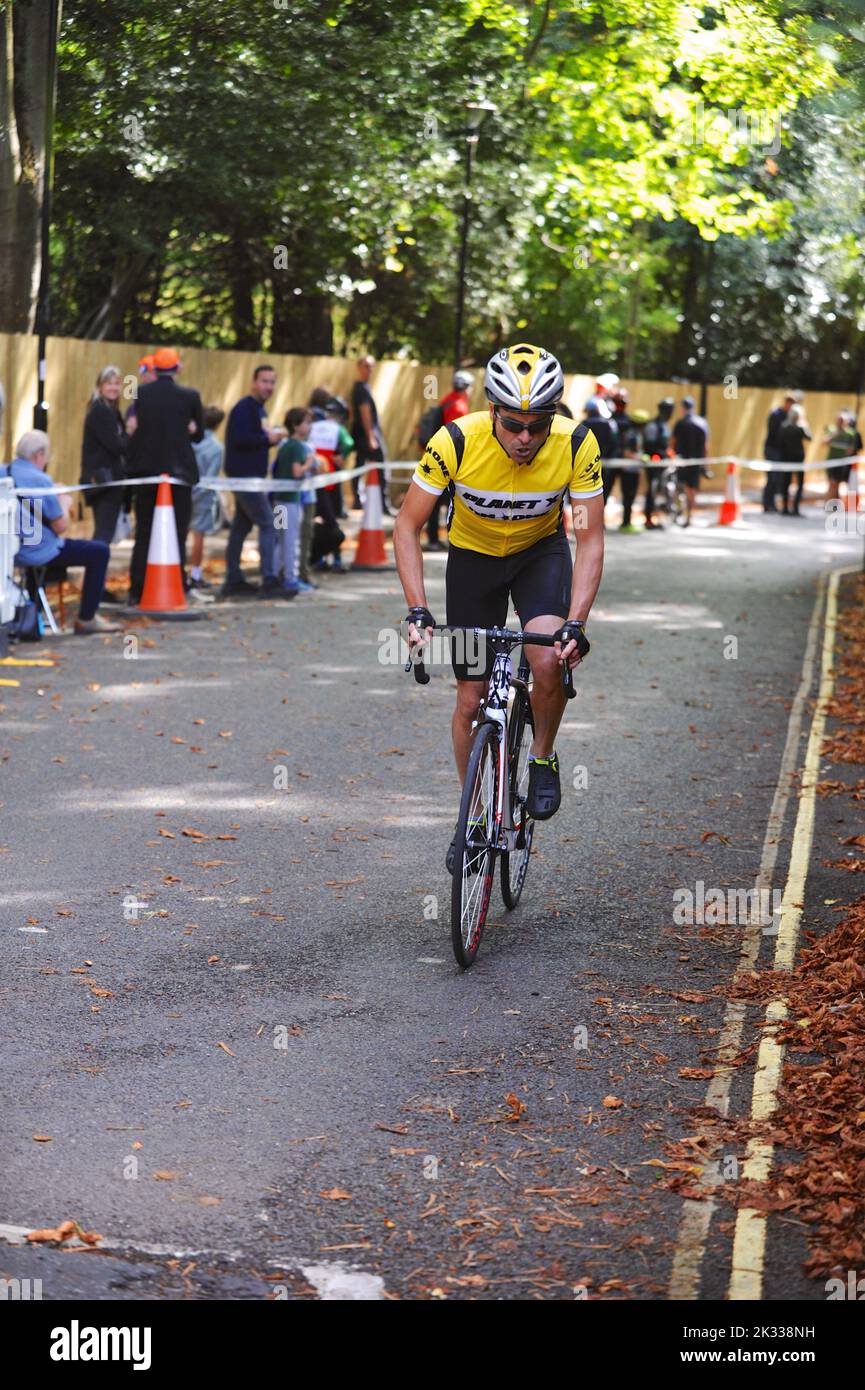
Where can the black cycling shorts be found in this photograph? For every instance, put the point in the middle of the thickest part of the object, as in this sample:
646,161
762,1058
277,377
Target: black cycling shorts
690,474
840,473
478,588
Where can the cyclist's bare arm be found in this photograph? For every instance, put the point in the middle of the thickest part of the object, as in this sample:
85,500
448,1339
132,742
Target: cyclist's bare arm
413,516
588,566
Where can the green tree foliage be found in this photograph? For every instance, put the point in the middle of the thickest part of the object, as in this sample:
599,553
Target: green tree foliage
666,187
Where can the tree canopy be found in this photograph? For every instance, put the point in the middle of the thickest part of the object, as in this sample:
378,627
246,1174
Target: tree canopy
666,188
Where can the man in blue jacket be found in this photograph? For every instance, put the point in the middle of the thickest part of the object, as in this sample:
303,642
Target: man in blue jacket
248,441
42,520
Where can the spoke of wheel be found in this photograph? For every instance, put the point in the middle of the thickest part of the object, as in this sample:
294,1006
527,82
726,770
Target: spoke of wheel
474,883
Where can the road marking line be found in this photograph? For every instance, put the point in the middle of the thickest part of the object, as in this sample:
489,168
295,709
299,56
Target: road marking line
697,1213
24,661
749,1239
332,1281
17,1235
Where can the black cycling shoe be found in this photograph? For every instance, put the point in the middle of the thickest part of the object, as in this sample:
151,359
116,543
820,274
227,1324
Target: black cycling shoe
476,861
545,789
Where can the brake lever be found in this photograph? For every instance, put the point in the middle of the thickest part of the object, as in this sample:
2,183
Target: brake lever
584,646
421,674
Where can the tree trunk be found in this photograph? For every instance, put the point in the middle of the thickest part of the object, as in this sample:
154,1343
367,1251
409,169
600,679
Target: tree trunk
106,319
25,41
301,322
242,282
684,345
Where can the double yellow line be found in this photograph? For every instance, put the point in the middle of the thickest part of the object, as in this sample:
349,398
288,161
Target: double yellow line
21,661
749,1240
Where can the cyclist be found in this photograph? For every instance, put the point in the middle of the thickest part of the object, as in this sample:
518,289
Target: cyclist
508,472
656,443
690,441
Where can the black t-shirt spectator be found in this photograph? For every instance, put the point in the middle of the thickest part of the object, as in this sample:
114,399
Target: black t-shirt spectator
791,443
628,435
771,449
361,395
656,437
606,434
689,437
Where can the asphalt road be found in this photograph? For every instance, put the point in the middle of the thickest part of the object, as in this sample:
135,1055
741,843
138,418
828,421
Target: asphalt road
255,1067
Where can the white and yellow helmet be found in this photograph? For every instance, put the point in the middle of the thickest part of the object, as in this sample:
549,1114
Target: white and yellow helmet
524,378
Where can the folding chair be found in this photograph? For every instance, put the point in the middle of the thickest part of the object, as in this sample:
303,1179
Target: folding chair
35,579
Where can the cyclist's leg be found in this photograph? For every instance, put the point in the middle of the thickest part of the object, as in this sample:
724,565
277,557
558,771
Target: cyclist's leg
477,596
540,582
689,477
653,479
630,481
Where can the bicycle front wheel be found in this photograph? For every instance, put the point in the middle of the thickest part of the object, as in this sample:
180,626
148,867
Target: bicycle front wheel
515,864
475,851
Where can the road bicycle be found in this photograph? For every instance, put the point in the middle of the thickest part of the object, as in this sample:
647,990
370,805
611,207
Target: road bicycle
671,499
493,821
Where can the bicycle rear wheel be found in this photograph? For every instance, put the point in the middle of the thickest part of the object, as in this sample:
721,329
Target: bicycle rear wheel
682,513
475,853
515,864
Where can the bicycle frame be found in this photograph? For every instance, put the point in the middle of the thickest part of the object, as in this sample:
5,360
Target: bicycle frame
495,710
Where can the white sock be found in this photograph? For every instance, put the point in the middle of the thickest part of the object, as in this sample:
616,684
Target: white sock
196,571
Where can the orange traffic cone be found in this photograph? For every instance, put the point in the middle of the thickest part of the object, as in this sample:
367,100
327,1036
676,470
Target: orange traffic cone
370,553
851,502
730,507
163,595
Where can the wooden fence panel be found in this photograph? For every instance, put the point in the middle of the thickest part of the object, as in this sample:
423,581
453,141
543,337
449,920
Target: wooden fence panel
402,390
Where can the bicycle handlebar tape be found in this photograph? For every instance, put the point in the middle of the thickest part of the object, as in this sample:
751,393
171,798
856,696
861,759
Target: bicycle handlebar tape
572,632
422,618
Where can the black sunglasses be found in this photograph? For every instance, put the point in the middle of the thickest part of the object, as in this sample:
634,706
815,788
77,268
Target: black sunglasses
517,426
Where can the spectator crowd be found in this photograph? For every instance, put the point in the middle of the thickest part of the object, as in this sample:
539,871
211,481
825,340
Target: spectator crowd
166,429
278,470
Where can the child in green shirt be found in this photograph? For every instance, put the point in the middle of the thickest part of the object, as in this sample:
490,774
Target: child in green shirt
296,460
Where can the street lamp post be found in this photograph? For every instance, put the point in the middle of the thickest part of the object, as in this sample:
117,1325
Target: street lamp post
475,113
40,410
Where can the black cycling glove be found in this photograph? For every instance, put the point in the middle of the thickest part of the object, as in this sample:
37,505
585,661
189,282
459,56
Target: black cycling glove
573,631
421,617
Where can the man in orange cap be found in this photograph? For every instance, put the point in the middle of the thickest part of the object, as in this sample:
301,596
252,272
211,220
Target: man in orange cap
170,420
146,372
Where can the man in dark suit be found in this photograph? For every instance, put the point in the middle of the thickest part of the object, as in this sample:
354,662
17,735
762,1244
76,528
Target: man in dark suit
170,420
772,449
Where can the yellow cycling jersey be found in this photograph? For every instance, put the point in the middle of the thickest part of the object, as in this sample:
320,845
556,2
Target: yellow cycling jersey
497,506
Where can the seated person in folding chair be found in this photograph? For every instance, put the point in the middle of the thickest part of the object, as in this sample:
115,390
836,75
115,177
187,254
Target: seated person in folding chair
41,523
